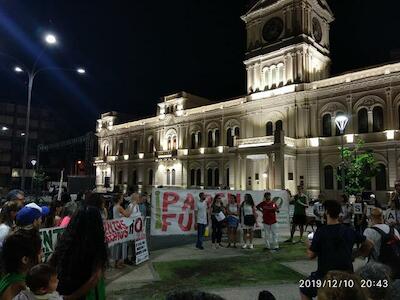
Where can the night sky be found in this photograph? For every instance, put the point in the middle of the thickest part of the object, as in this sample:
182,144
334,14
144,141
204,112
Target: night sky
138,51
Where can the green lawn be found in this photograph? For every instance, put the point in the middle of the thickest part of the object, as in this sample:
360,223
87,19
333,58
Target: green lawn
254,268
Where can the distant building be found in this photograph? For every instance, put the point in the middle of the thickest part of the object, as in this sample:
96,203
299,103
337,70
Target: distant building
43,129
280,134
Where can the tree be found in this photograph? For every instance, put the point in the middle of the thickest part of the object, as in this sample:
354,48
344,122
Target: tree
359,167
39,178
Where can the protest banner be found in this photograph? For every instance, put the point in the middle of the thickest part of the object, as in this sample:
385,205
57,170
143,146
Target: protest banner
173,210
390,217
116,231
357,207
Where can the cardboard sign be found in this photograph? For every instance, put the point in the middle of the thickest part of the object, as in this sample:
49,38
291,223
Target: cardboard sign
357,208
369,209
390,217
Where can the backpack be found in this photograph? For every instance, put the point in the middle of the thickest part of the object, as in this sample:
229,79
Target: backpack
390,250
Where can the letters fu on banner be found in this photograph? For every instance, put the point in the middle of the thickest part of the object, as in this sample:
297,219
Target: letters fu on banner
173,210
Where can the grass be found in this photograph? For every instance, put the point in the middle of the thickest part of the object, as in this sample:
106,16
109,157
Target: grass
254,268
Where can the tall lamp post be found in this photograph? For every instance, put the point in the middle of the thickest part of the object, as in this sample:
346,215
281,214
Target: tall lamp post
50,39
341,123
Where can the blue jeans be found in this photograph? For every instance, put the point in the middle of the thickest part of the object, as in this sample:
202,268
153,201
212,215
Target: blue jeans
200,234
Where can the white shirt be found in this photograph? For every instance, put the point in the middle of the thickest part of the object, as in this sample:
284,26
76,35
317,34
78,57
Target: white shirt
4,231
135,211
375,237
201,208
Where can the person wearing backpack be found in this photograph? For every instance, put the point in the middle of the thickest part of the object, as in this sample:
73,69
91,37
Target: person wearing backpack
386,240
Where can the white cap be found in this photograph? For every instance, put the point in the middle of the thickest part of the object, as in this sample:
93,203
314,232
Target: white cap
372,196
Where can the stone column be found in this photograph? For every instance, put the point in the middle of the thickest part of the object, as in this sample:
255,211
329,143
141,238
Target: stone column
350,113
389,108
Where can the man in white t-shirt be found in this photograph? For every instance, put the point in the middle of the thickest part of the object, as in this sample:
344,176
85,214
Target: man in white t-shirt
374,236
201,220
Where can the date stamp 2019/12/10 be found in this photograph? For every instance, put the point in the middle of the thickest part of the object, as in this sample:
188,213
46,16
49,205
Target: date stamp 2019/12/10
341,283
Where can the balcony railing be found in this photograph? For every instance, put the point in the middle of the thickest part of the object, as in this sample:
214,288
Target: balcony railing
255,142
167,154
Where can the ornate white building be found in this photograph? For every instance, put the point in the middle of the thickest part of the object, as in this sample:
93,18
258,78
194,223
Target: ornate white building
281,134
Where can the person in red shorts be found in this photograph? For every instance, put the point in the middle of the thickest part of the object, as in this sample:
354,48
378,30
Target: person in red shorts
269,210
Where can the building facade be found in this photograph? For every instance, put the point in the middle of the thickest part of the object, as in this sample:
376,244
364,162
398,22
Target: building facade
281,134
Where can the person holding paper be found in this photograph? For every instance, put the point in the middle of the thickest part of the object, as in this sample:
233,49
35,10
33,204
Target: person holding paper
217,213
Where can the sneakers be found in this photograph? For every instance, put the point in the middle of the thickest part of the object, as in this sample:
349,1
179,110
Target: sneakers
244,246
251,246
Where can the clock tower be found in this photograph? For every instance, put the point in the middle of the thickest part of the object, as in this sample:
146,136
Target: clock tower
287,43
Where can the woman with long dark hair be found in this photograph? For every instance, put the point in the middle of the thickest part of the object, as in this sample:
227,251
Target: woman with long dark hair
80,256
53,219
7,219
248,220
119,252
217,210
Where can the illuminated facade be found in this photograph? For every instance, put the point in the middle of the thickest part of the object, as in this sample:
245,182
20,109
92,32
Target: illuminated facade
281,134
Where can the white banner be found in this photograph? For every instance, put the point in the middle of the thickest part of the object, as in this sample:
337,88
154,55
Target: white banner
173,210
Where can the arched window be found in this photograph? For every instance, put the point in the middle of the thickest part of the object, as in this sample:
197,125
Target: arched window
193,141
121,148
173,177
174,147
216,177
151,145
327,125
198,177
279,125
199,141
227,177
217,138
150,179
229,138
192,177
210,139
135,147
120,177
209,177
362,120
328,177
337,128
106,150
134,177
169,143
380,178
168,177
377,117
269,129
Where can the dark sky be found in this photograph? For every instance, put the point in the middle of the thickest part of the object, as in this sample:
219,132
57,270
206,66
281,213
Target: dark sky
137,51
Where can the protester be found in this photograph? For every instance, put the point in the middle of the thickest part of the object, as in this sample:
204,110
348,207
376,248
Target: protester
7,219
134,210
201,220
97,200
386,241
379,274
66,216
360,219
53,219
248,220
16,195
394,203
345,291
21,251
374,201
232,211
300,202
217,213
269,210
119,252
42,282
346,214
143,204
80,256
333,245
318,211
30,216
266,295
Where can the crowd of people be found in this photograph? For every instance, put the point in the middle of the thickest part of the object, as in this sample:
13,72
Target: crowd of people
76,268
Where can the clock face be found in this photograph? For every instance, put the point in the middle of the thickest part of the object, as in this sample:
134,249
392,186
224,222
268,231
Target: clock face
317,31
272,29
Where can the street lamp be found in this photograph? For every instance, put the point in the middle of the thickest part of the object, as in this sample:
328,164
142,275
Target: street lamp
50,39
341,123
81,71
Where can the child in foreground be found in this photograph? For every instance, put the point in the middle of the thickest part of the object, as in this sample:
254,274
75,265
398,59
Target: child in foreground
42,282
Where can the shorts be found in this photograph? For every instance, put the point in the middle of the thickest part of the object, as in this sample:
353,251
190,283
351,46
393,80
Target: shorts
299,219
232,222
312,290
